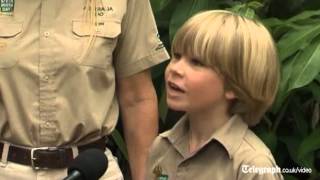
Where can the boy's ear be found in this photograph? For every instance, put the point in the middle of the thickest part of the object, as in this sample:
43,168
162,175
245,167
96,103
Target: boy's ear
230,95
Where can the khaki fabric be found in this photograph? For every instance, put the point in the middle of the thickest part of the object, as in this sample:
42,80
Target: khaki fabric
49,96
221,158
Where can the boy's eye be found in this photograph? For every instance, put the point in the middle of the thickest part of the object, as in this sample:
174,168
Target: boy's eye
176,55
196,62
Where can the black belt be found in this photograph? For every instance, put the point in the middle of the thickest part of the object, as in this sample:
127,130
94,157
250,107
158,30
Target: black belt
48,157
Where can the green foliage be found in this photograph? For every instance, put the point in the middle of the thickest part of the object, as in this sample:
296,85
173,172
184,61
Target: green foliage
120,143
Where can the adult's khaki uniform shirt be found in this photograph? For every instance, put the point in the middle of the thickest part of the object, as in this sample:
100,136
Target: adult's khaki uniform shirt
228,155
49,95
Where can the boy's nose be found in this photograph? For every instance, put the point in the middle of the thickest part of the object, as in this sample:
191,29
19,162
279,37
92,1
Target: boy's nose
177,68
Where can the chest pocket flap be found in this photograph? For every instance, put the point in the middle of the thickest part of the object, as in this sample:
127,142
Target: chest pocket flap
10,29
107,28
8,51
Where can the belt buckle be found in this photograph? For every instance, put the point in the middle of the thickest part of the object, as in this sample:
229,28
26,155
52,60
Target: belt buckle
33,150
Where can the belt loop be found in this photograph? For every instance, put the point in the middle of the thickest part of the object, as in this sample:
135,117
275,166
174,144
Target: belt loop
75,151
4,156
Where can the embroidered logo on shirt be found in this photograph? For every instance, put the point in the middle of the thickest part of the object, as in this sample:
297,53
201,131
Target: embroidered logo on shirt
6,7
157,171
160,44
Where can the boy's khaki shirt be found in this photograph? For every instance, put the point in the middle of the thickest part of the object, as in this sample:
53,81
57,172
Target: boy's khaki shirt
228,155
49,96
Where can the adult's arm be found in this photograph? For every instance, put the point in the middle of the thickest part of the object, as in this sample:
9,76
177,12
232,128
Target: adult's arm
138,107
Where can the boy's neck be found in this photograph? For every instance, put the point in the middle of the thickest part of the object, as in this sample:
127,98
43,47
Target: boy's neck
203,124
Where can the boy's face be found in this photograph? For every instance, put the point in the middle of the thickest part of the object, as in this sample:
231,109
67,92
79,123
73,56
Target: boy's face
193,87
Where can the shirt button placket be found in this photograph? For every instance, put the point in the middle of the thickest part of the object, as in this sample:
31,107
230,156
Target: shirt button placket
47,69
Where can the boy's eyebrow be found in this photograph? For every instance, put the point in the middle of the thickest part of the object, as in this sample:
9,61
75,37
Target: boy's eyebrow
195,58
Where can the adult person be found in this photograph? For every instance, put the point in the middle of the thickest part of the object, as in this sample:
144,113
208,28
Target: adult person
65,65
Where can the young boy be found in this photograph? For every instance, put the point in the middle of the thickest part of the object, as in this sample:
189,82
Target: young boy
224,74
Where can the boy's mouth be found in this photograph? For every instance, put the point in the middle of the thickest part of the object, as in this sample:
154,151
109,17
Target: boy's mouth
175,87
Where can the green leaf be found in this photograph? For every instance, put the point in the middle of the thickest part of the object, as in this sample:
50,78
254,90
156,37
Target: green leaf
280,116
307,67
249,13
185,9
277,23
158,5
318,78
307,148
304,16
286,71
292,143
294,40
270,139
308,22
279,31
273,22
315,89
309,144
243,10
120,143
255,5
299,117
163,16
280,27
289,177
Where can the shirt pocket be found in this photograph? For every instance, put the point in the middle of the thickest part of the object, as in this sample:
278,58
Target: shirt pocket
8,41
99,54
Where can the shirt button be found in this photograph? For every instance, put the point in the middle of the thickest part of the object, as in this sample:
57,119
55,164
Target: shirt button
46,34
48,123
46,77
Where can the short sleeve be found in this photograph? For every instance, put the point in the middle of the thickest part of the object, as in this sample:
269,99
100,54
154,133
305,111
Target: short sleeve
261,167
139,46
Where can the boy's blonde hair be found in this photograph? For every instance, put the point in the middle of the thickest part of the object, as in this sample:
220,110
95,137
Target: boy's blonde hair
241,50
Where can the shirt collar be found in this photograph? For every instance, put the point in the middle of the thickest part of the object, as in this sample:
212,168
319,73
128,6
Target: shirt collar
230,135
178,136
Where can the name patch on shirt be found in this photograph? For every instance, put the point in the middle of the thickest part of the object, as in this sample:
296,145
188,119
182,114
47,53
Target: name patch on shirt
103,9
163,177
6,7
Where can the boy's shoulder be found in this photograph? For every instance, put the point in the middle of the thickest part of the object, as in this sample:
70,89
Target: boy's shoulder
160,143
157,150
254,154
253,150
